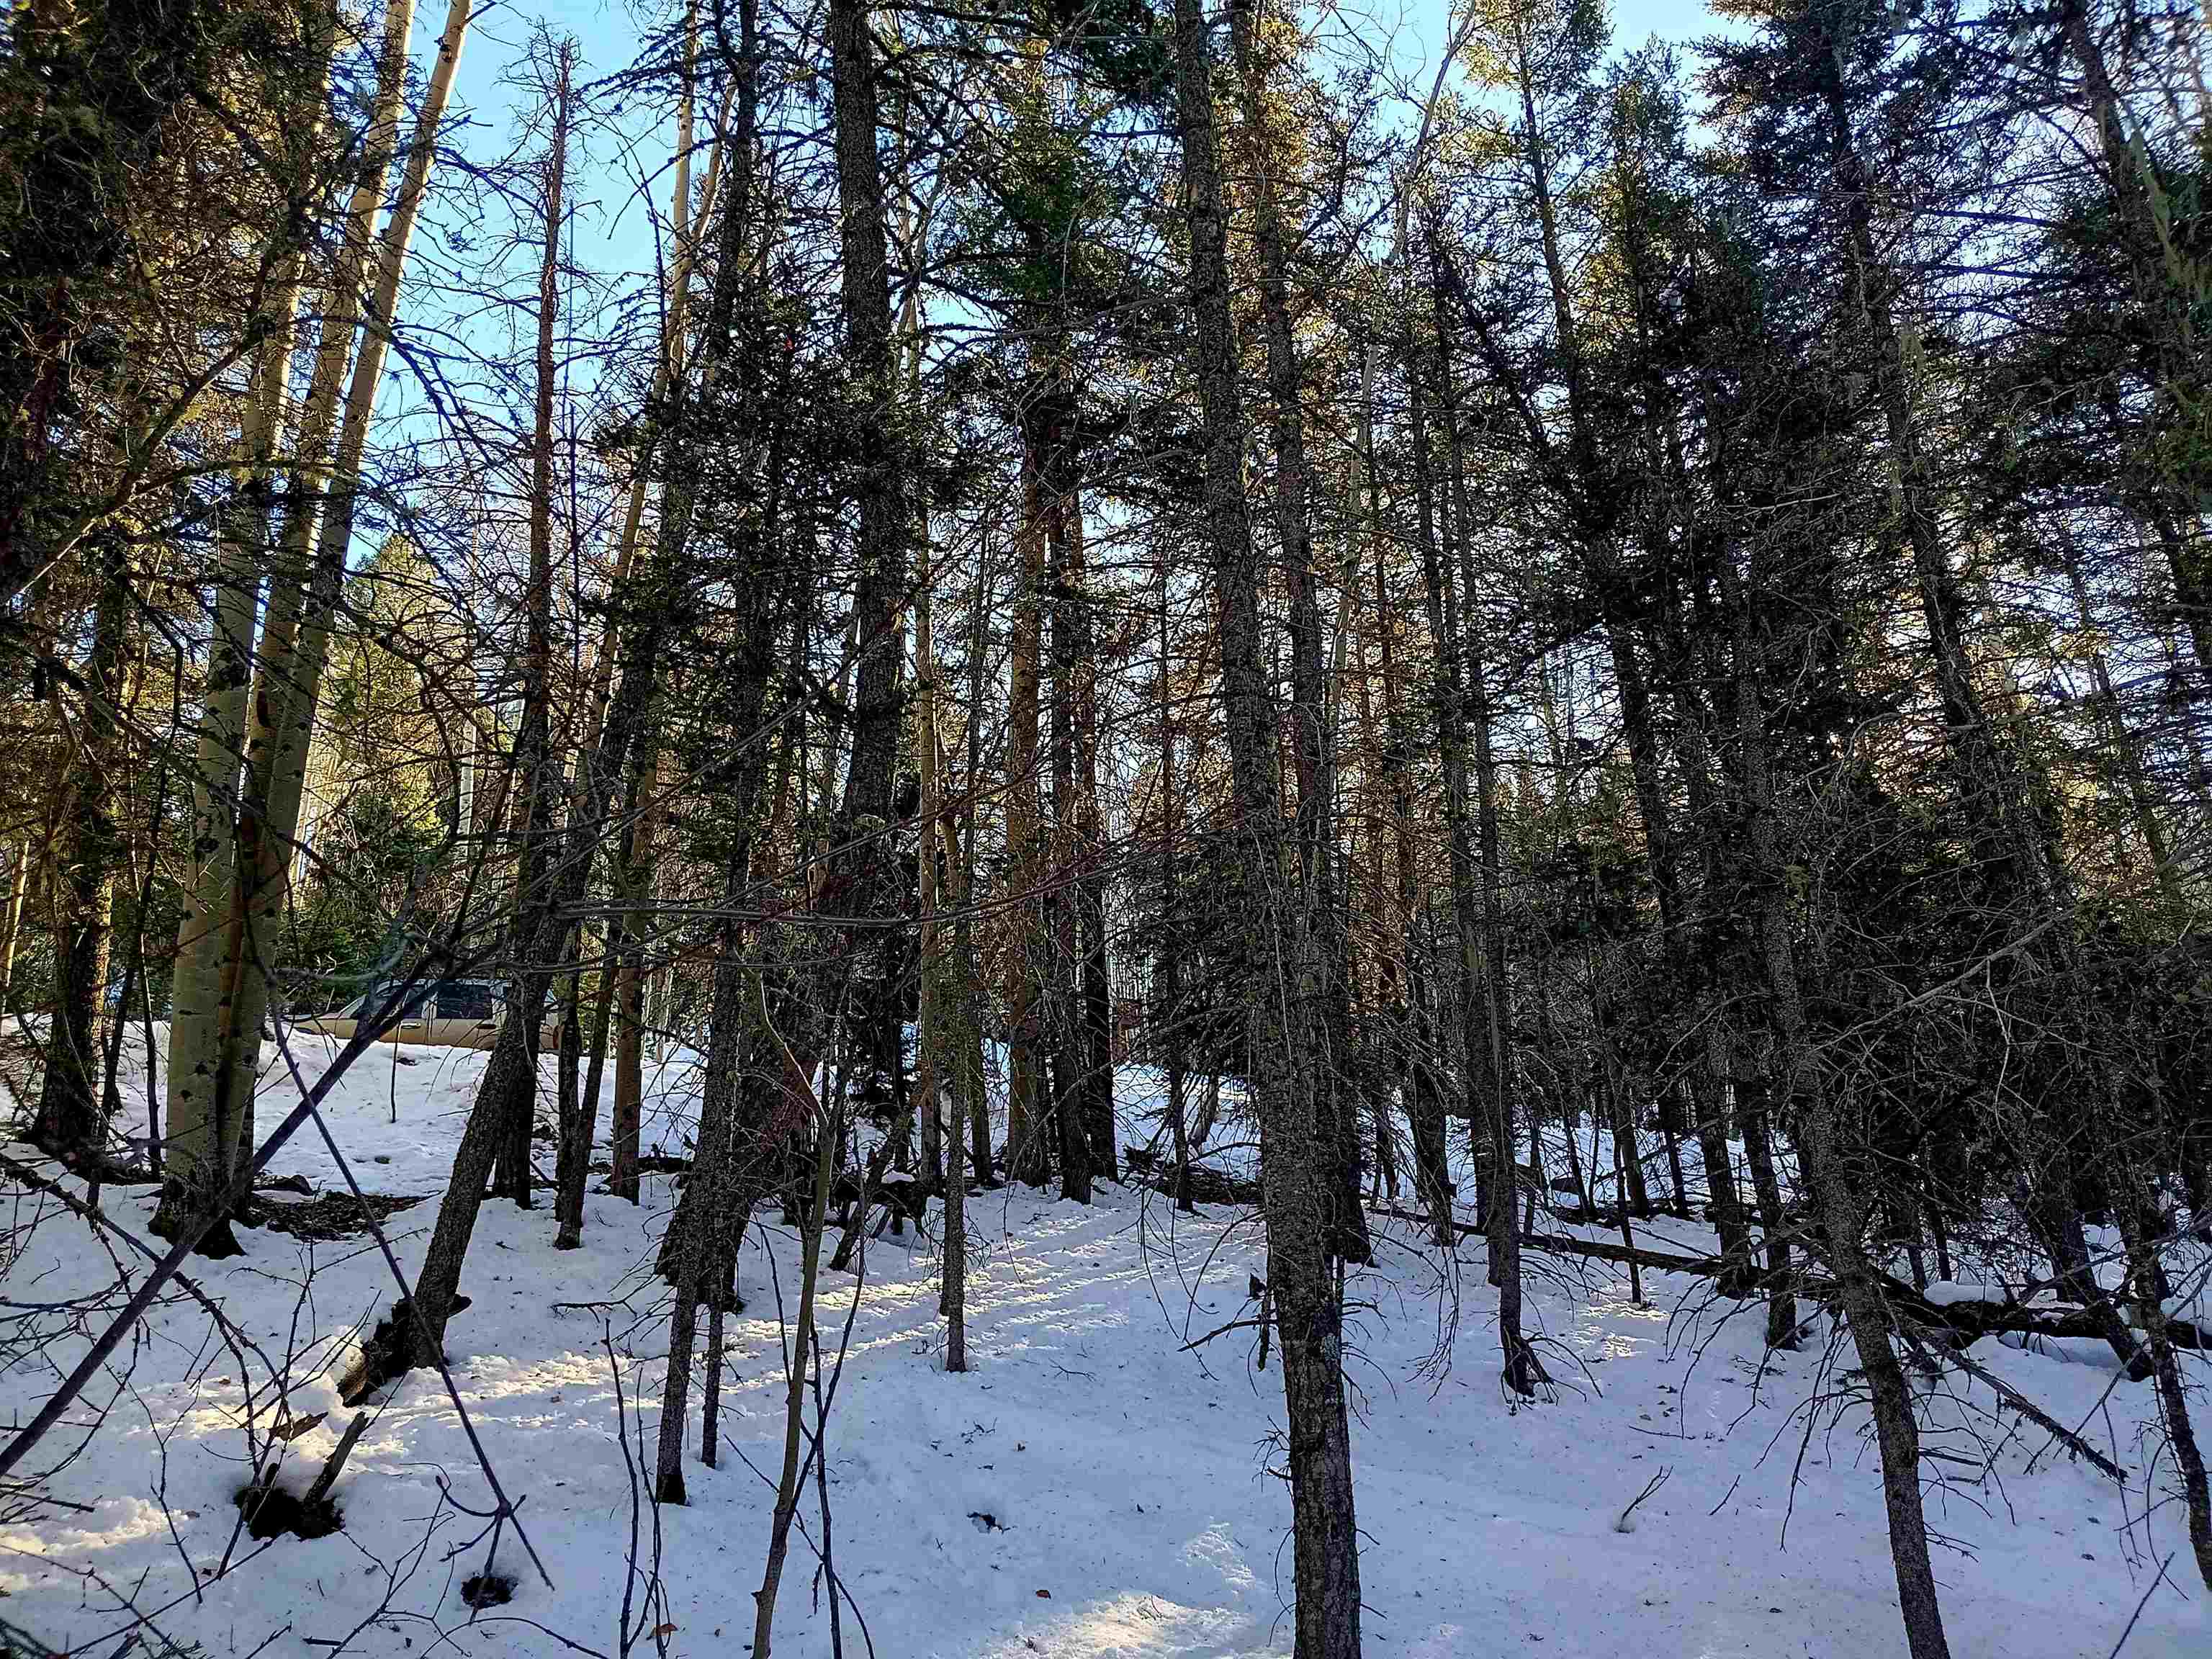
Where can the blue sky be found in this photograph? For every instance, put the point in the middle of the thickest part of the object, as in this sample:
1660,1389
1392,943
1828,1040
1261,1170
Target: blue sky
610,34
611,227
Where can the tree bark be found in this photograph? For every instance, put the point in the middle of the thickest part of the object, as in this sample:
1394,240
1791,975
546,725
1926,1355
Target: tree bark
210,1113
1837,1196
70,1121
1327,1021
1063,987
640,864
537,766
1026,1101
1298,1165
1482,1032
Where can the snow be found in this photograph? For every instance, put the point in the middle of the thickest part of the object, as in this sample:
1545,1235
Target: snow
1094,1486
1944,1292
2066,1350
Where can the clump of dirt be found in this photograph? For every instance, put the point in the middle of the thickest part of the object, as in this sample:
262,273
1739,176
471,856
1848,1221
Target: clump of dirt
334,1215
272,1512
487,1589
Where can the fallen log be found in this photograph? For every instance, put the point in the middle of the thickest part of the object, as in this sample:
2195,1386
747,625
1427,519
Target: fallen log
1208,1186
650,1164
1963,1323
1704,1267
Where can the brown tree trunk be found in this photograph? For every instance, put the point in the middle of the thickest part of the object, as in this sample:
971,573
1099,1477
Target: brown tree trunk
1091,886
1169,1005
1075,655
1298,1166
1838,1199
1027,1105
1479,1033
1495,1112
1063,980
962,860
70,1122
638,868
865,274
580,1126
1425,1101
11,919
537,766
1325,1024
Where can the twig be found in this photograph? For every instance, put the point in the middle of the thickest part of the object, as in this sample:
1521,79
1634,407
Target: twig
2140,1606
310,1105
1624,1524
241,1187
2027,1407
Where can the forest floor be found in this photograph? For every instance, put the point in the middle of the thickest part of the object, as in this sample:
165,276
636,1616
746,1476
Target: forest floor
1098,1484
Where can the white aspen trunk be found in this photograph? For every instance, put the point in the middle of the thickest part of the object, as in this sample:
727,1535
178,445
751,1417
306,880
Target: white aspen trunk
197,1161
283,715
203,1132
19,866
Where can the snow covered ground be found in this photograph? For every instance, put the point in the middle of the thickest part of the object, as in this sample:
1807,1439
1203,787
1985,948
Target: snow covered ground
1095,1486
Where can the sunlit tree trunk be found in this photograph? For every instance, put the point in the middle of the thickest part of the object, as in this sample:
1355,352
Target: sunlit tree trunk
223,996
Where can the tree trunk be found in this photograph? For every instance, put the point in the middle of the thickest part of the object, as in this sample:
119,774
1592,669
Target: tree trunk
1026,1101
1707,1084
11,919
1496,1111
1837,1198
1089,1013
1299,1168
580,1101
1326,1022
211,1099
883,508
1091,875
1063,979
1169,1003
1425,1100
977,1099
1479,1035
639,867
794,1422
72,1123
933,1060
537,766
202,1127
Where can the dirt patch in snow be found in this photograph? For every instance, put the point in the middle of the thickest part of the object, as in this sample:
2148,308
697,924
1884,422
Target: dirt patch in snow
334,1215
